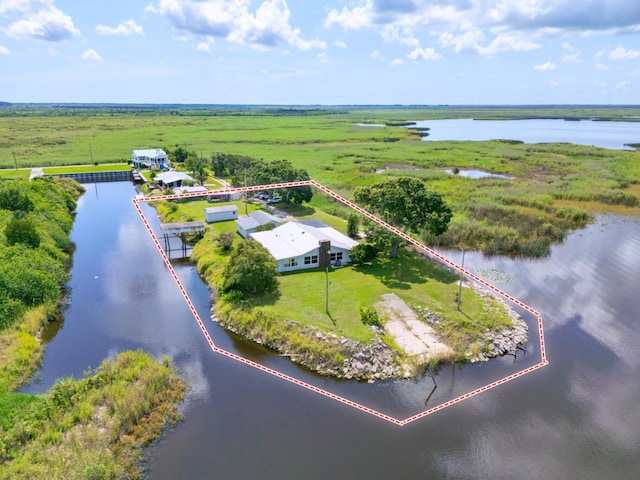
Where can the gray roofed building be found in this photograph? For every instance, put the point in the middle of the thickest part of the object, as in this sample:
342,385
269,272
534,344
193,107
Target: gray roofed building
296,246
171,179
252,223
221,214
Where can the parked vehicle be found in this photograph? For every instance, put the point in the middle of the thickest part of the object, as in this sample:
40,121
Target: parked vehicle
274,200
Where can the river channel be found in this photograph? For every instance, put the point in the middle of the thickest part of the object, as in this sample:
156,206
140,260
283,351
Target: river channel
575,418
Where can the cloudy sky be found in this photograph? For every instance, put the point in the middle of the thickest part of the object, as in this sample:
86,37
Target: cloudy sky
321,51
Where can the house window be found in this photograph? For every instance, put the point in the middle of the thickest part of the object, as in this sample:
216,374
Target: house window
290,262
336,256
311,260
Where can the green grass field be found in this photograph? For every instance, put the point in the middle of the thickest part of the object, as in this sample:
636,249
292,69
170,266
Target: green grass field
556,187
113,167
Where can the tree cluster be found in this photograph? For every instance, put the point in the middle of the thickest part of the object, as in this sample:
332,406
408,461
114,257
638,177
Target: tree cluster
249,171
251,269
405,204
35,220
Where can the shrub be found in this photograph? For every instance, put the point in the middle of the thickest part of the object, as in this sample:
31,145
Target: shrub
353,225
22,230
363,253
369,316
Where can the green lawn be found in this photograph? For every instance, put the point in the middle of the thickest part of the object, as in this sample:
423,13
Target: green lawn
20,174
110,167
416,280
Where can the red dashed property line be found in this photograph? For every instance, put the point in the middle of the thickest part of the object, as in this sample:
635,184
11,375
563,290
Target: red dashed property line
167,262
313,388
308,386
473,393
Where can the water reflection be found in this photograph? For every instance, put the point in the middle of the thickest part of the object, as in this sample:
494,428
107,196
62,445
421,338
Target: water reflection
576,418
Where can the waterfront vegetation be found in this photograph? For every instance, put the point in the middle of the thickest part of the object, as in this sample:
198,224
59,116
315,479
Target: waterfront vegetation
94,427
90,428
556,187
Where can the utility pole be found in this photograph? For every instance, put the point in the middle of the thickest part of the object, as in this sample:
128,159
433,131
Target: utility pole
326,295
461,275
246,207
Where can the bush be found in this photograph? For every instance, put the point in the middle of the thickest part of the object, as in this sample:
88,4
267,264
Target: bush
225,240
22,230
353,225
369,316
363,253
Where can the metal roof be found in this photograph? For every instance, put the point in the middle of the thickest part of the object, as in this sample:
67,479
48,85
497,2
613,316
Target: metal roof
172,176
257,219
150,153
223,208
294,239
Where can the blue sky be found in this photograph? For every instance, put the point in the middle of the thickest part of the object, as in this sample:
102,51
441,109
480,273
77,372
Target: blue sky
321,52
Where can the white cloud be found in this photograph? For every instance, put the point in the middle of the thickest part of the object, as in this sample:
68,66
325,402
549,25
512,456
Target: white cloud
351,19
570,57
323,57
391,34
545,67
377,55
600,84
423,54
468,42
92,55
4,50
509,42
397,61
466,25
339,44
635,73
204,47
601,67
554,84
129,27
38,19
621,53
231,19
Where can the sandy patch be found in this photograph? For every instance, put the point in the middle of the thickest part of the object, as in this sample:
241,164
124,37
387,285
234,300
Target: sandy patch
411,334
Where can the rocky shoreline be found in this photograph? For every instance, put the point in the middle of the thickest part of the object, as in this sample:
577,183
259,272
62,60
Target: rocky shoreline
374,361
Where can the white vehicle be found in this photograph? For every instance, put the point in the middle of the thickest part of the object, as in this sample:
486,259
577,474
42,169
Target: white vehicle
274,200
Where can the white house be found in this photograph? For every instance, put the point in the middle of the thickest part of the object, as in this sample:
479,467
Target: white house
254,222
154,157
221,214
296,246
171,179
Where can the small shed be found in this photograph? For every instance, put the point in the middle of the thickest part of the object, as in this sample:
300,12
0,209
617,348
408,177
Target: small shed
256,221
221,214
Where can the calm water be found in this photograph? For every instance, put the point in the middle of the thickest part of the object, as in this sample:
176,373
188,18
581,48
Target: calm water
576,418
585,132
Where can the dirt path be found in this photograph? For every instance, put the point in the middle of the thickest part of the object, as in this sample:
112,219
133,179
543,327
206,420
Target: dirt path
414,336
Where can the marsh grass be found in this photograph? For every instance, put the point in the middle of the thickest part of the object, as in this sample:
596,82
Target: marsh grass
94,427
